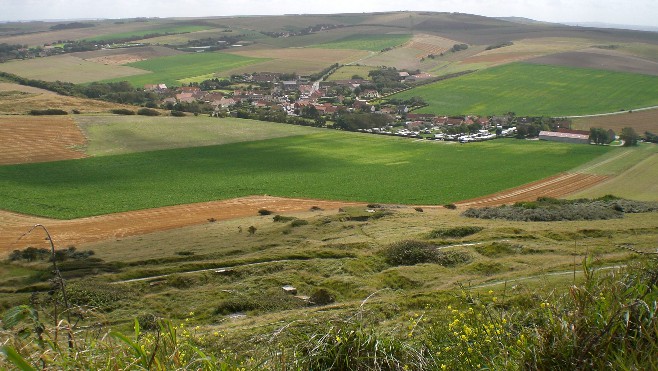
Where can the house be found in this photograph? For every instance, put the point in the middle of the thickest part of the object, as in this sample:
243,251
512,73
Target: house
369,94
185,98
190,89
555,136
290,85
423,117
454,121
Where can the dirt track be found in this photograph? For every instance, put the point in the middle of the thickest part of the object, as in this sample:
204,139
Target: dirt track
556,186
112,226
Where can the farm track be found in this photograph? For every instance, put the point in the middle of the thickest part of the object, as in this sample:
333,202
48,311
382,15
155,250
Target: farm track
556,186
119,225
32,139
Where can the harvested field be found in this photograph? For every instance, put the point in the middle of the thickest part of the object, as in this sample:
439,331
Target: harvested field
641,121
39,139
126,55
114,226
304,54
601,59
67,68
556,186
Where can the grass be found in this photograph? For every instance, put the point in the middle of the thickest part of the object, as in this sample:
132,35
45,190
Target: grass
636,177
538,90
346,72
373,43
111,135
173,29
169,70
329,165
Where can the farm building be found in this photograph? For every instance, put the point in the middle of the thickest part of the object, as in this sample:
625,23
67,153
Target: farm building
564,137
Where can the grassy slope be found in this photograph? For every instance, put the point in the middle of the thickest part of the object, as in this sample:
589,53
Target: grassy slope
111,135
329,165
538,90
170,69
636,174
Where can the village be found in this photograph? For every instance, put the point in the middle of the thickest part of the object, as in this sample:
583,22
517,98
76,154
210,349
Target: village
304,101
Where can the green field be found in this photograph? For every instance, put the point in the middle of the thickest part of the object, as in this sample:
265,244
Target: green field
538,90
169,70
111,135
346,72
173,29
373,43
328,165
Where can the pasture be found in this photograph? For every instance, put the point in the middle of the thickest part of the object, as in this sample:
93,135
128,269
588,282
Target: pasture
327,165
538,90
169,70
111,135
346,72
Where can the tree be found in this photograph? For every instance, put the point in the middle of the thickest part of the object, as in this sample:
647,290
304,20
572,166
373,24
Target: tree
599,136
629,136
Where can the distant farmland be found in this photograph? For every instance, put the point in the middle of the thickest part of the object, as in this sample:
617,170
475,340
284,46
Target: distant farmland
328,165
173,29
169,70
538,90
373,43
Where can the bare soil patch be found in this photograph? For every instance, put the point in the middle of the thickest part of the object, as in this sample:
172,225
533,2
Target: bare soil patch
601,59
556,186
115,226
641,121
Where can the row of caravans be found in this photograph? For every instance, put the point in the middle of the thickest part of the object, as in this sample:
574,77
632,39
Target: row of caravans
480,136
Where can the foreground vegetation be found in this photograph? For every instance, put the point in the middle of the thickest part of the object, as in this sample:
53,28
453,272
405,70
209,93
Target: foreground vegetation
394,289
538,90
326,165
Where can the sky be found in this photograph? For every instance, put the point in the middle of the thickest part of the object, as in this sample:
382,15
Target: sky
625,12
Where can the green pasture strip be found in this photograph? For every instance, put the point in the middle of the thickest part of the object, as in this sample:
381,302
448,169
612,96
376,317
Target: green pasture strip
373,43
111,135
170,69
140,33
538,90
329,165
346,72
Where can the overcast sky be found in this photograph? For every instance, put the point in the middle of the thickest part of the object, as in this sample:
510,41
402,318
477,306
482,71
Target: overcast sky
630,12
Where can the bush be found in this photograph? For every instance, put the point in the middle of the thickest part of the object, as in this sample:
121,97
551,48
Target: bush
450,206
122,111
298,223
49,111
148,112
264,212
410,252
498,249
456,232
322,296
452,258
178,113
283,219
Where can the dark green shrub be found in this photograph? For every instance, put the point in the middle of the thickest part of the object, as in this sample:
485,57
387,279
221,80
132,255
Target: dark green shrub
122,111
178,113
322,296
298,222
410,252
148,112
498,249
283,219
452,258
264,212
456,232
450,206
49,111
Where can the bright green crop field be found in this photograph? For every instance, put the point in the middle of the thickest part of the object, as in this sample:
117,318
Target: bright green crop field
373,43
161,30
538,90
170,69
329,165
